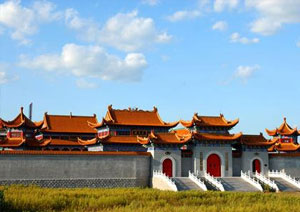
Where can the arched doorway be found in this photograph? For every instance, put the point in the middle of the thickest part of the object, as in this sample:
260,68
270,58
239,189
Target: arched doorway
214,165
167,167
256,166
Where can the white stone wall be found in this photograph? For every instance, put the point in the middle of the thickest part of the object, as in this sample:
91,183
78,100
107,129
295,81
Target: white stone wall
159,154
291,165
249,156
207,150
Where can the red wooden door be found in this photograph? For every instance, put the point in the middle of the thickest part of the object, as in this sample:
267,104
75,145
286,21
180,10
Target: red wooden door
214,165
256,166
167,167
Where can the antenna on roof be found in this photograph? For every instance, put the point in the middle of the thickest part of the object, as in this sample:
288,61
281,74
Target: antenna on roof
30,111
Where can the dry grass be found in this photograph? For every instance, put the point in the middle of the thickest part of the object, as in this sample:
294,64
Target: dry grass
33,198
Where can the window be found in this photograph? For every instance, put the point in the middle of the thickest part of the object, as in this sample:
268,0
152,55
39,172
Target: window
123,133
142,133
201,161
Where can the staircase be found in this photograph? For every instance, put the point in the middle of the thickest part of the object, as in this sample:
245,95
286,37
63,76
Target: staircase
208,185
283,185
185,183
236,184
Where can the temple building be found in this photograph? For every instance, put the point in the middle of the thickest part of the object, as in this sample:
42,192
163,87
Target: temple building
54,132
287,138
203,145
122,130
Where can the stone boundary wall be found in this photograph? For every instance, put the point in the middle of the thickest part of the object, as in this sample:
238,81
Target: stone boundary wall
75,169
77,183
290,162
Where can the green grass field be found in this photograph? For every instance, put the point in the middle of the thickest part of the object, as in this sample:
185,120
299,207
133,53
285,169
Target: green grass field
32,198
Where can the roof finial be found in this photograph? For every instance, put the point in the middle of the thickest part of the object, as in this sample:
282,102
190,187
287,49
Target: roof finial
22,109
284,119
154,109
70,114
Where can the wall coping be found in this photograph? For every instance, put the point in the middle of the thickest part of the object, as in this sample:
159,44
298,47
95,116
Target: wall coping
296,154
40,152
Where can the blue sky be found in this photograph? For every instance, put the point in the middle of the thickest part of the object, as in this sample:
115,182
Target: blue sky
236,57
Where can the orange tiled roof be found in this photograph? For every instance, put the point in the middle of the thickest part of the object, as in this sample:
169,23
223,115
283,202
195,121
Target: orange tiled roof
133,117
12,142
209,121
1,125
68,123
19,121
217,137
284,129
166,138
284,147
60,142
257,140
36,143
121,139
38,152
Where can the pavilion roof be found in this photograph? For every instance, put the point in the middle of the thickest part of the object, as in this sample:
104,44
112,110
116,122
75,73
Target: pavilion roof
209,121
20,121
165,138
284,147
60,142
257,140
216,137
133,117
156,138
68,123
284,129
12,142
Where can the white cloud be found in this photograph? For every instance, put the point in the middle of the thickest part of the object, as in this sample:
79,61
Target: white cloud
298,43
82,83
150,2
3,77
273,14
220,25
245,72
89,61
124,31
24,21
236,38
183,15
220,5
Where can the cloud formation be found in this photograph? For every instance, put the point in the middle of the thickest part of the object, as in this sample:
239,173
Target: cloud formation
245,72
273,14
237,38
220,5
220,26
89,61
124,31
183,15
3,77
25,21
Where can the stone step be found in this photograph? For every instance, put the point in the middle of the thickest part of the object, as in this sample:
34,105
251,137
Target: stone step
283,185
185,183
208,185
236,184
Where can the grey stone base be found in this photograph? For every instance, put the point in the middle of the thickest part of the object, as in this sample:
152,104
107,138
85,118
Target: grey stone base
79,183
